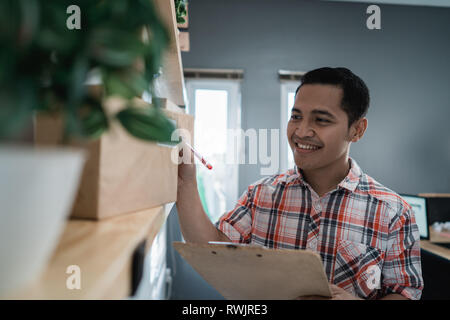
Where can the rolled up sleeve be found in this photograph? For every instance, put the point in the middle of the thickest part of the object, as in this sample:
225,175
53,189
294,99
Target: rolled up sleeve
237,223
402,271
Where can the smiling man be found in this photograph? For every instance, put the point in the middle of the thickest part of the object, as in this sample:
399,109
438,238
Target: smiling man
364,232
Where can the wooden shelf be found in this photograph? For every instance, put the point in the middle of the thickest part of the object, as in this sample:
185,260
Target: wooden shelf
103,251
170,84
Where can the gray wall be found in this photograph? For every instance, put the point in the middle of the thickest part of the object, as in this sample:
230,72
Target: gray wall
405,65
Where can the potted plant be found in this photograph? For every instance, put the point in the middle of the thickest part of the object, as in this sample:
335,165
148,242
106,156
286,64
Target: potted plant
181,10
45,67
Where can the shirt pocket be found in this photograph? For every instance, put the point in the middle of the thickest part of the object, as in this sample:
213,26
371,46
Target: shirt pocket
358,268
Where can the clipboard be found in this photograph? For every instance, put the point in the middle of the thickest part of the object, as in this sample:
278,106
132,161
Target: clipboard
248,272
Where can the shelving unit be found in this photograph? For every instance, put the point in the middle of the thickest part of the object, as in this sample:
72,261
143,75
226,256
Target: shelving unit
104,249
170,84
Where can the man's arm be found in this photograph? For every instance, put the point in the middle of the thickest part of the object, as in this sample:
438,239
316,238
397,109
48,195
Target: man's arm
402,265
194,223
338,293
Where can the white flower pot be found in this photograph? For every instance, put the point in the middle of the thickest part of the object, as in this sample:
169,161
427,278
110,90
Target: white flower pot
37,190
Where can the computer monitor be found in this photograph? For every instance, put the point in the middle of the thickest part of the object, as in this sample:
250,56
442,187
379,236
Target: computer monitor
419,206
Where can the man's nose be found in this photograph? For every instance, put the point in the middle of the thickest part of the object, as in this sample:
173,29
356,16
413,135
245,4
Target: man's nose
304,130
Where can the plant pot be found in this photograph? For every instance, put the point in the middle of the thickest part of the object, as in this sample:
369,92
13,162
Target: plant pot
37,190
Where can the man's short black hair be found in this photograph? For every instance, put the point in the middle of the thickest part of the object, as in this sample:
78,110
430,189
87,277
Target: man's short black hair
356,98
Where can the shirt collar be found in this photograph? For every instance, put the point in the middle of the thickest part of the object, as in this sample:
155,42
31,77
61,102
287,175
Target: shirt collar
350,182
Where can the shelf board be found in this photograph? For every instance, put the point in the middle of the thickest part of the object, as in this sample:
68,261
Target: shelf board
170,84
103,251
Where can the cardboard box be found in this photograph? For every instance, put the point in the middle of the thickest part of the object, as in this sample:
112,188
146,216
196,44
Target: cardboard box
122,174
183,37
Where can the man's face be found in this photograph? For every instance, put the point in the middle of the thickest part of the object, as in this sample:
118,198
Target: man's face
318,131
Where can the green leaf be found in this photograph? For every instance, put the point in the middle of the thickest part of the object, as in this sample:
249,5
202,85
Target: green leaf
95,123
115,86
30,20
127,85
115,47
180,10
147,123
78,75
16,109
90,120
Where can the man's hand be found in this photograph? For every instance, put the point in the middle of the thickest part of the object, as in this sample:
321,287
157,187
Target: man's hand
337,293
186,171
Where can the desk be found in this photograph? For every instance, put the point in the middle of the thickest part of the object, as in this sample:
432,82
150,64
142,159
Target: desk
435,267
434,248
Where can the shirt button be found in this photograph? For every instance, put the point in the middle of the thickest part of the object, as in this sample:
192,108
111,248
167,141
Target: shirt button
311,246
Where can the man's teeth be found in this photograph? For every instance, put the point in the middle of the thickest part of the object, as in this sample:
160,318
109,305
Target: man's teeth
305,146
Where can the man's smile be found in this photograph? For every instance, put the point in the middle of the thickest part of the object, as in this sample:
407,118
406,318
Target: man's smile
305,148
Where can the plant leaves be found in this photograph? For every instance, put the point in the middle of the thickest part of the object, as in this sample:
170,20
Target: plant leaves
147,123
37,46
89,120
18,102
115,47
94,124
127,85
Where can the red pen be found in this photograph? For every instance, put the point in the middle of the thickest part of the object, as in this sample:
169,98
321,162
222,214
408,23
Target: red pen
199,157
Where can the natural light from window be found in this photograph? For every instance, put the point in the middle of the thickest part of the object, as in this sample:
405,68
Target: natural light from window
211,120
210,137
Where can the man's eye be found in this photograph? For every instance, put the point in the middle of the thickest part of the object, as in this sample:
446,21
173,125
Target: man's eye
322,120
295,117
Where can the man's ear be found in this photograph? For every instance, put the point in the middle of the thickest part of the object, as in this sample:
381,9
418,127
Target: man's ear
358,129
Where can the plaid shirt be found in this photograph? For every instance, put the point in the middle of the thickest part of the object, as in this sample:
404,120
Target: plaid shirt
364,232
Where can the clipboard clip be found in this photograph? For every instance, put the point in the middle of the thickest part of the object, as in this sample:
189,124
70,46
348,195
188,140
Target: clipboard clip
228,244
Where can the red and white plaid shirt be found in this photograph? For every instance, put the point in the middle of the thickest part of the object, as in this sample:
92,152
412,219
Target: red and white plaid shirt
359,228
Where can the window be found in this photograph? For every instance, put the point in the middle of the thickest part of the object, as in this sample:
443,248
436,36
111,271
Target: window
215,104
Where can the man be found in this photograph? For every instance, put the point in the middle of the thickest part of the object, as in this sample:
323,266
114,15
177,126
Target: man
364,232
